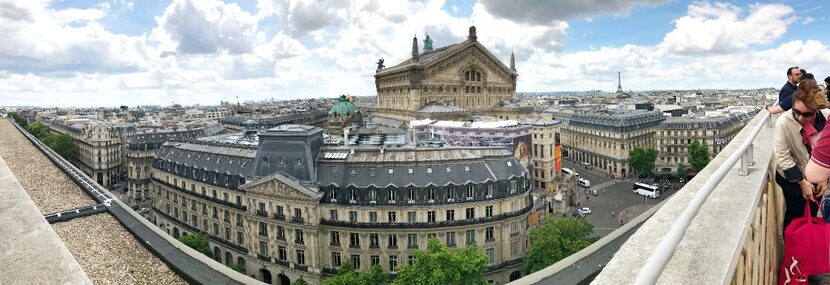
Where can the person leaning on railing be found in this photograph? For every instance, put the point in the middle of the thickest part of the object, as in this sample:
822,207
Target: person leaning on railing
796,132
785,101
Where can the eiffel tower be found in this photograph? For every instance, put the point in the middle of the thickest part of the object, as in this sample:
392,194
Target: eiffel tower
619,84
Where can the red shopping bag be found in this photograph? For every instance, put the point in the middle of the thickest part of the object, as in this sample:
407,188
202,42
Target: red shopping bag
806,249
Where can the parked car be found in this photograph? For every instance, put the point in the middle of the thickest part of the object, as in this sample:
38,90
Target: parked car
584,210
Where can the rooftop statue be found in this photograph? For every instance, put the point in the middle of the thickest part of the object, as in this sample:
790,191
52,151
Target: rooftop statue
427,42
380,64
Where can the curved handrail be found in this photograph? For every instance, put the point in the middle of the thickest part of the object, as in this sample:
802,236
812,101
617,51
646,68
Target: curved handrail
657,261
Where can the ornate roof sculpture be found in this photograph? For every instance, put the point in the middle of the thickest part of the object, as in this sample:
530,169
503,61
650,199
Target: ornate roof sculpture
344,107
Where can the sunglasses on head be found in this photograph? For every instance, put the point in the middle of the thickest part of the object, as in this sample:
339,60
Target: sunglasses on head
797,113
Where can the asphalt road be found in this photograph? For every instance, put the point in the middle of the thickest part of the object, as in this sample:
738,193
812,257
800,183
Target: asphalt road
614,196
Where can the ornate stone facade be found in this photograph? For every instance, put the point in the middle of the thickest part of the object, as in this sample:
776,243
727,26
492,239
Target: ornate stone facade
266,214
465,75
602,138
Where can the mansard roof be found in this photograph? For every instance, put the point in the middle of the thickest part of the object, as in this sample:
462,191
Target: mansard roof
154,140
221,159
613,120
418,167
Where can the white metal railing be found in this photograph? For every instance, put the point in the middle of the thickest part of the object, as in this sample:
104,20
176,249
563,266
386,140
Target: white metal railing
657,261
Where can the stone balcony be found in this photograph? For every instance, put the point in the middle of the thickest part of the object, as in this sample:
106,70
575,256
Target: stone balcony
735,238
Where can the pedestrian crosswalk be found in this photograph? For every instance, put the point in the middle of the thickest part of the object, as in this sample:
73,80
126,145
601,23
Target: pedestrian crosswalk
603,185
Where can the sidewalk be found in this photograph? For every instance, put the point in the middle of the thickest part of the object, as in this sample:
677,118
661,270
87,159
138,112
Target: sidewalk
579,167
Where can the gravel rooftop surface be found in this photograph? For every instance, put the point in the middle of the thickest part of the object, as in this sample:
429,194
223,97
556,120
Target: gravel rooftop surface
110,255
104,249
32,168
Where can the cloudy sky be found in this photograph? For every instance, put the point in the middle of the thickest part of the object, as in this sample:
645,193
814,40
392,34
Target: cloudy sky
125,52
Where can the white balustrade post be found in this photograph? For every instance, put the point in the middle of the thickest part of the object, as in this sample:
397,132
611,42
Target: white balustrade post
744,164
750,157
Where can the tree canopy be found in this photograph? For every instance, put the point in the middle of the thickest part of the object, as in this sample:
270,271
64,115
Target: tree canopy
441,266
62,144
197,241
681,170
347,276
555,240
642,159
698,155
17,119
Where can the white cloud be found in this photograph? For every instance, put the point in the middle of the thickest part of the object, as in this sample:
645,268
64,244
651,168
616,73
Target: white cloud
49,42
207,51
546,12
205,27
719,28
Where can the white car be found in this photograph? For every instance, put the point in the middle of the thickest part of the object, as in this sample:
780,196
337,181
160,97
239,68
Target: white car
584,210
584,182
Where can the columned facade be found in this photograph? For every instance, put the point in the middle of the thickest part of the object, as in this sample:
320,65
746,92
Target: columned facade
465,75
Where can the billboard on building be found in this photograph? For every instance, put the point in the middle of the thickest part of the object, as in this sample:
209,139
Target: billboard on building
558,155
514,138
521,149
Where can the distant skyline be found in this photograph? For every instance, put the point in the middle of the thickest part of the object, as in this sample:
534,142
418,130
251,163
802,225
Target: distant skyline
122,52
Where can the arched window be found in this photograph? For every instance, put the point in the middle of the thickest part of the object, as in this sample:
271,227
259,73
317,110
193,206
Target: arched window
472,75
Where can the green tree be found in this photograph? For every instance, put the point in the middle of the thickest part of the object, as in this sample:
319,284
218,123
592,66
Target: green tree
300,282
197,241
555,240
439,266
681,170
375,276
38,129
347,276
698,155
238,268
642,159
63,144
19,120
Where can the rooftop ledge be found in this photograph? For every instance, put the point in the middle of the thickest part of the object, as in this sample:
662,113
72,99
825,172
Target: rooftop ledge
33,252
734,238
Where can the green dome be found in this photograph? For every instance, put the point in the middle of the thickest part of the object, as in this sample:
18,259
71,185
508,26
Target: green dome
343,107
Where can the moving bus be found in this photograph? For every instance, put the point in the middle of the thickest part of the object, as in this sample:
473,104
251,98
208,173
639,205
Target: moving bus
650,191
569,171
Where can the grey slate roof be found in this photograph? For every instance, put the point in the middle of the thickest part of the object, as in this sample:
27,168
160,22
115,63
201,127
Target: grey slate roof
221,159
269,121
364,167
675,123
371,169
610,119
154,140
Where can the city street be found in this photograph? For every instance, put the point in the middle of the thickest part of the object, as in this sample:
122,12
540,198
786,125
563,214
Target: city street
613,196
